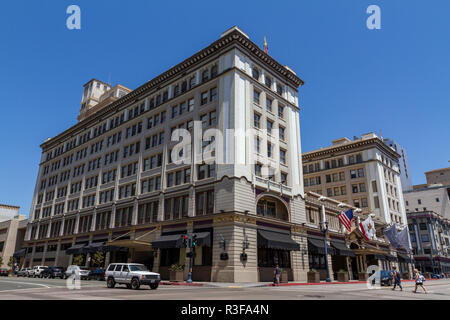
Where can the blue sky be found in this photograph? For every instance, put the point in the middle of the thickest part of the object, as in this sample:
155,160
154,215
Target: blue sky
396,79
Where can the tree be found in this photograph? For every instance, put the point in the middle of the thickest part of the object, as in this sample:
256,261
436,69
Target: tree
1,261
98,258
78,260
11,262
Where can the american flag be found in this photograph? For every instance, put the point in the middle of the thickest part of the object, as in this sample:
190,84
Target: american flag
346,219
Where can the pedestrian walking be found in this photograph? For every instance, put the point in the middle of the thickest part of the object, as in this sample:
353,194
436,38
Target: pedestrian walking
277,273
419,280
397,279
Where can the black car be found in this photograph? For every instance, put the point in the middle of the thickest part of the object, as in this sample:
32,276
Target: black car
3,272
52,272
97,274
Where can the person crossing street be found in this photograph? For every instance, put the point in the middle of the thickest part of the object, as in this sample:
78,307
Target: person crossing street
397,279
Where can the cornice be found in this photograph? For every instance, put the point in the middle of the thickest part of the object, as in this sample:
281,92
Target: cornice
219,45
312,155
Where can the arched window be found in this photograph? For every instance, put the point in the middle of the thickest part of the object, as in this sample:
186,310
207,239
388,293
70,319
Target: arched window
272,207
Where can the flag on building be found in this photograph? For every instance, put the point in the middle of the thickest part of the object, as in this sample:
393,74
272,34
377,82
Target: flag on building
346,219
391,234
266,49
403,239
367,228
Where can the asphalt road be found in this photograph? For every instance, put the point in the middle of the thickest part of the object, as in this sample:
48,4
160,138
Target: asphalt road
55,289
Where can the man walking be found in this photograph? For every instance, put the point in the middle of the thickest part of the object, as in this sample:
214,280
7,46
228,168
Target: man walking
397,279
277,273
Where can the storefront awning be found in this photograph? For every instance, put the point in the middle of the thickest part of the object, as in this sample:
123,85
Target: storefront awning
102,247
125,244
316,245
77,249
276,240
20,253
168,241
341,249
403,256
203,238
390,257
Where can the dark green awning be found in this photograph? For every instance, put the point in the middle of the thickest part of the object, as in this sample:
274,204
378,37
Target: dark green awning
342,249
169,241
316,245
77,249
276,240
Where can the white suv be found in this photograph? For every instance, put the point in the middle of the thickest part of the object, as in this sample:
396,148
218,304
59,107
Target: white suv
73,270
37,271
133,275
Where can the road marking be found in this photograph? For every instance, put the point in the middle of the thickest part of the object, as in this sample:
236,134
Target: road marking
31,283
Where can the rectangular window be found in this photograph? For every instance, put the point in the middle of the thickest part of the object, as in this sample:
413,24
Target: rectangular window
256,95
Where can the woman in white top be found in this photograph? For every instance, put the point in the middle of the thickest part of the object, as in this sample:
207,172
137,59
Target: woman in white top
419,280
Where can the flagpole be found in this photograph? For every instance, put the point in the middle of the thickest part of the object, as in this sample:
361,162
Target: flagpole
324,227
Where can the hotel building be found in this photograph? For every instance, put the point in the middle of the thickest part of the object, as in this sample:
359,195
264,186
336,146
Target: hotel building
110,184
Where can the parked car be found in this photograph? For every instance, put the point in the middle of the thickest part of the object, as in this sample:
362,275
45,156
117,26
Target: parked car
386,278
436,276
3,272
133,275
23,272
72,270
97,274
52,272
37,271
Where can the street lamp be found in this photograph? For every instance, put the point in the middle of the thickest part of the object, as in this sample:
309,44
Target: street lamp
324,228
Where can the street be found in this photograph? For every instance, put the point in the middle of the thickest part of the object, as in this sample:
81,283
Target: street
55,289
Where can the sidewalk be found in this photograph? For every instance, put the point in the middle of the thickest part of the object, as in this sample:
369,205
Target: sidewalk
265,284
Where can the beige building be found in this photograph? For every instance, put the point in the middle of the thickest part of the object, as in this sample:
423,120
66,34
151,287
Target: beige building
12,233
435,198
363,173
438,176
110,183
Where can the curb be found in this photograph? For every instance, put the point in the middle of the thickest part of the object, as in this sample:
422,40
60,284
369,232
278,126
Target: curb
330,283
181,284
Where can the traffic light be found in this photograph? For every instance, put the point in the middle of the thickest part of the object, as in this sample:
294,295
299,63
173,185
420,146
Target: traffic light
194,240
185,240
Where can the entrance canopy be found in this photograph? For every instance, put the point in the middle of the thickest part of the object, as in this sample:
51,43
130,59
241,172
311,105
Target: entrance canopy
102,247
123,245
276,240
77,249
342,249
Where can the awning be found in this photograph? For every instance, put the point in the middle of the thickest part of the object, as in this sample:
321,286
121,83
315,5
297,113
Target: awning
390,257
317,246
203,238
77,249
380,256
403,256
168,241
20,253
124,245
342,249
276,240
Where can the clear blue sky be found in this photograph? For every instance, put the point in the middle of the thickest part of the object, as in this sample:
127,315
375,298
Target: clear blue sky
396,79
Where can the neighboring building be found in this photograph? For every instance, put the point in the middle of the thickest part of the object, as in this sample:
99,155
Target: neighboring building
12,234
348,251
8,212
434,198
438,176
110,182
363,173
430,239
405,175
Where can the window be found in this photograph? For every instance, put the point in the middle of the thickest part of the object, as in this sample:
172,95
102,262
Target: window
355,188
205,75
280,111
281,133
257,145
256,95
283,178
204,98
269,126
425,238
279,89
353,174
362,187
269,104
269,150
360,173
419,201
190,105
283,156
255,73
256,120
364,202
258,168
268,81
356,203
213,94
